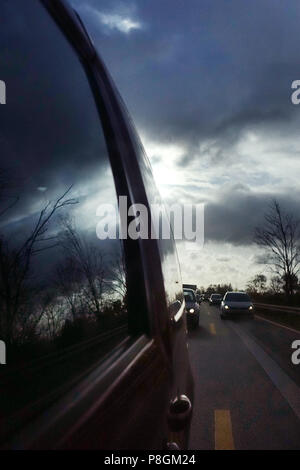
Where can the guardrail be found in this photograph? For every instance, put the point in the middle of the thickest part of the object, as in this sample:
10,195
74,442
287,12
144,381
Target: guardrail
279,308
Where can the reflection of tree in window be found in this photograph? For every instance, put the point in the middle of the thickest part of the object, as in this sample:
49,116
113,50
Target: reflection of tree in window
62,290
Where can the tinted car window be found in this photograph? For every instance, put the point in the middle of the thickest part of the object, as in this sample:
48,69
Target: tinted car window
63,291
237,297
189,296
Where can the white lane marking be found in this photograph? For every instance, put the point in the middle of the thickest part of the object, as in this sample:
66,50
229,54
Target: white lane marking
288,389
277,324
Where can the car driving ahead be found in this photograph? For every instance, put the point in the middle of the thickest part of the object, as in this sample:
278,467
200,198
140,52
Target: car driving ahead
215,299
192,307
236,303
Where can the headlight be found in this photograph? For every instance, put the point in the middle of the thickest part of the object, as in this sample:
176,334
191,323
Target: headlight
191,310
251,307
226,307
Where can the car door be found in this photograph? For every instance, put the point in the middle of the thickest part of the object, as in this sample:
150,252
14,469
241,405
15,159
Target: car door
93,325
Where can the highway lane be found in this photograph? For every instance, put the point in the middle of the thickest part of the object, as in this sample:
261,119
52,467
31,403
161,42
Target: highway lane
276,340
247,391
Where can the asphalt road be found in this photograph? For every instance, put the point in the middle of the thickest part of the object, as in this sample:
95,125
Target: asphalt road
247,391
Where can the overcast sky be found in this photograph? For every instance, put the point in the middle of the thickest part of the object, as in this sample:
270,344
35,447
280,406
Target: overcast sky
208,84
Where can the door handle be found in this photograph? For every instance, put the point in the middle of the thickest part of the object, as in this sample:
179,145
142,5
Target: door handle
180,412
172,446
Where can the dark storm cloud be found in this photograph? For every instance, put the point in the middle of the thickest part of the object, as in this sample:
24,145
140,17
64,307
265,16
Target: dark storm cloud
189,71
261,259
202,69
50,135
203,73
234,217
235,212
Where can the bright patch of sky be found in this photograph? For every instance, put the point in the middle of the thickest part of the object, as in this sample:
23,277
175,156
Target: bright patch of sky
112,21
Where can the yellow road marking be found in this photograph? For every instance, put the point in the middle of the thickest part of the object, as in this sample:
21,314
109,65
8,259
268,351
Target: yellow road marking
212,328
223,430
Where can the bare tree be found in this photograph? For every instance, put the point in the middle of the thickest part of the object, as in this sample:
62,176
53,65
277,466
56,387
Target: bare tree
68,282
119,281
257,285
276,285
16,290
219,288
33,313
53,318
88,261
280,236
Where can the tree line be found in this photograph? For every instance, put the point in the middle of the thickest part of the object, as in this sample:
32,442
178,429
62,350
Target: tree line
279,237
83,291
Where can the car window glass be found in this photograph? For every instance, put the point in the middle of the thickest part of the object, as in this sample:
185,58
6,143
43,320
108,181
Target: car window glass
237,298
189,296
63,291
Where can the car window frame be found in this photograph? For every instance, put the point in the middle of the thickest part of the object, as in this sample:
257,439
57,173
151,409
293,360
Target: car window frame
119,130
117,137
113,124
